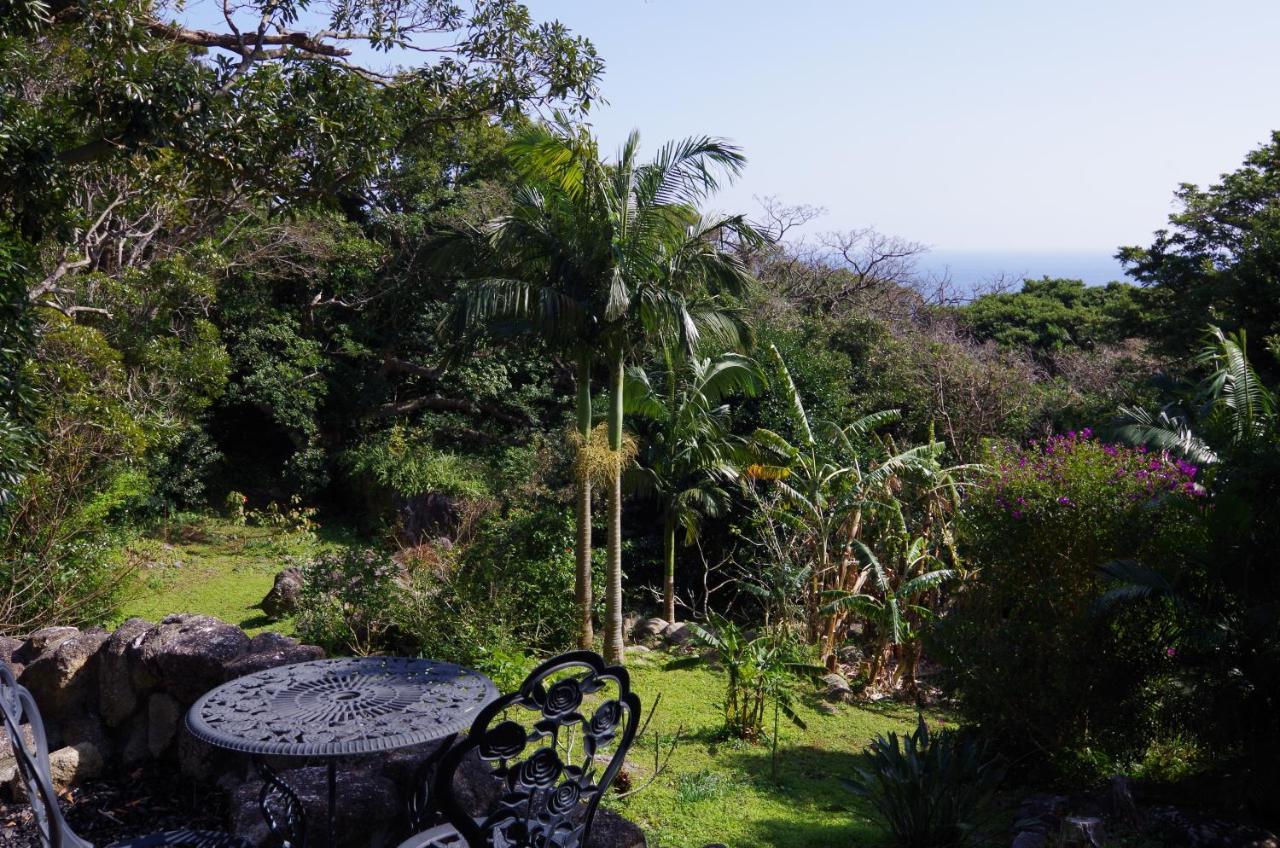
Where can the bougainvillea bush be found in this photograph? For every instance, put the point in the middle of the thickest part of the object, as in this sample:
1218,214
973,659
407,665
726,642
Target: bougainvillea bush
1025,646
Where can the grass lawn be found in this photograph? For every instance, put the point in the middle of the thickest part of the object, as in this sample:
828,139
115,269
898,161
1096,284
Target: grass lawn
712,789
216,568
722,790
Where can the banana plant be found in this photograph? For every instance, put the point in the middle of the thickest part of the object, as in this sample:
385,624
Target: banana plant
830,493
760,673
892,610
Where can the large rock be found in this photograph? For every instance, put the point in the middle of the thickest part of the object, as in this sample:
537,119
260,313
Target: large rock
648,629
836,689
44,639
122,677
610,830
677,635
189,653
368,808
8,647
163,715
285,592
269,650
62,678
74,764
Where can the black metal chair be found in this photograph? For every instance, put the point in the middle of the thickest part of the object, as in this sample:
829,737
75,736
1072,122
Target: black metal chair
551,769
16,704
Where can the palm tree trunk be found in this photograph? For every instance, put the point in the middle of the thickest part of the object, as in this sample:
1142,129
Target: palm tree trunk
582,571
613,646
669,570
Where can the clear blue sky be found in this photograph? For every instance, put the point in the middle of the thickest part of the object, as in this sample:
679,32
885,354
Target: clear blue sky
993,126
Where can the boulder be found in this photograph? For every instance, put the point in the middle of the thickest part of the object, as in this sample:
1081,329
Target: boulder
8,647
122,677
43,640
271,658
368,806
836,689
677,634
163,715
62,678
134,747
75,764
610,830
285,592
189,653
648,628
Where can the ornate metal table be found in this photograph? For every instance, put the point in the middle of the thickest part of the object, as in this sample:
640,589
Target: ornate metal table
336,708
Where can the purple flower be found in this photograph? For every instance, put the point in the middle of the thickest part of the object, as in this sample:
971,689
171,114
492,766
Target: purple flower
1064,501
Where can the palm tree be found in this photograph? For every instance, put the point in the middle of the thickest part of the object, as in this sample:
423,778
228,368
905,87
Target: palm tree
1238,413
541,270
686,459
612,257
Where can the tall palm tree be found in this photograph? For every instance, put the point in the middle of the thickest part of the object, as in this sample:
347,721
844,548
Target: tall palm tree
620,259
673,267
541,268
687,457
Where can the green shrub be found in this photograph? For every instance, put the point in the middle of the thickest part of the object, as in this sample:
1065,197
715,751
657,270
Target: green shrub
1023,645
348,601
933,790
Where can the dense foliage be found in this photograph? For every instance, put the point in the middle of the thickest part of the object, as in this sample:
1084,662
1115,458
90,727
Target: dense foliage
394,300
1023,645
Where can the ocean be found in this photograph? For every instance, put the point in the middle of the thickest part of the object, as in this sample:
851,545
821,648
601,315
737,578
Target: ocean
970,269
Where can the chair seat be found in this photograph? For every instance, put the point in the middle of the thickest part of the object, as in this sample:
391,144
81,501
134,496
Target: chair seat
443,836
184,839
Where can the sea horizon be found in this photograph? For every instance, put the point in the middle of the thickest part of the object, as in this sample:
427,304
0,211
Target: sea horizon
970,269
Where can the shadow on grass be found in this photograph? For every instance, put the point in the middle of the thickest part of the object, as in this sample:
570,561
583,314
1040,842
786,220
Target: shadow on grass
811,781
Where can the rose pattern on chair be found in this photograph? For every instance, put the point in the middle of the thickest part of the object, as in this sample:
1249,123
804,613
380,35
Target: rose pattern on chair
548,800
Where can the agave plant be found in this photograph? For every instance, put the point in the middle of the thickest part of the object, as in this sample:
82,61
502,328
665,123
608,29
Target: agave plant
933,790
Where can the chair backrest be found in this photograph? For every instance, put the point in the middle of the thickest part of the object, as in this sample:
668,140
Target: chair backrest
549,744
16,704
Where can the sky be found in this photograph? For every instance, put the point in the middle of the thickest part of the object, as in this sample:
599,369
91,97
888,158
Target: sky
978,127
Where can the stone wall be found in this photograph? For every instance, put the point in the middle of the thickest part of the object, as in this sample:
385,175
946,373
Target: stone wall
118,699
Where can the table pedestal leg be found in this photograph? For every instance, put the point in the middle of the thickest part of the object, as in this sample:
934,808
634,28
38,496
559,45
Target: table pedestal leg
281,808
333,791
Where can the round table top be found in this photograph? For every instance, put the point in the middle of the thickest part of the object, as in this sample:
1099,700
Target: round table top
337,707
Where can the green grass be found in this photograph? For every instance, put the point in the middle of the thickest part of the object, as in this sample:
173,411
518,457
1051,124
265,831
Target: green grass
715,789
710,789
215,568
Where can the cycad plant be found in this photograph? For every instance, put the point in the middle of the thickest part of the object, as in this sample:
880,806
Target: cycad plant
687,455
933,790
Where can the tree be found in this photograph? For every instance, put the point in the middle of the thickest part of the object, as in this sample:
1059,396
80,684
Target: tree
1054,314
123,129
1219,259
687,457
543,265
